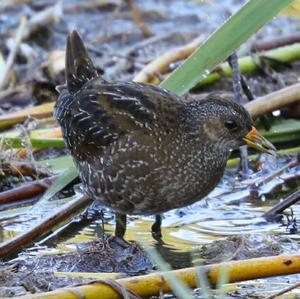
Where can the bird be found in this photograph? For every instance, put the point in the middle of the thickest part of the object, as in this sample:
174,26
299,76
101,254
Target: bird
141,149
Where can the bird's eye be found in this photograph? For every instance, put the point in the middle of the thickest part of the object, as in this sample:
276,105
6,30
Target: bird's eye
231,125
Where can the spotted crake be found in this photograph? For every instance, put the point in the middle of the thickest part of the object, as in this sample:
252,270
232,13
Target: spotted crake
141,149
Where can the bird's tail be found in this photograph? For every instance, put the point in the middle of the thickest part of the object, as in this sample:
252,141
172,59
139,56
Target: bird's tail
79,66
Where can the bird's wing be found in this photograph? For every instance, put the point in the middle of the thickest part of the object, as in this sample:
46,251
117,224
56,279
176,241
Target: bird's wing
107,111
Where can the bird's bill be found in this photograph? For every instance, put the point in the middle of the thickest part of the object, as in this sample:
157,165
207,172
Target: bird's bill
255,140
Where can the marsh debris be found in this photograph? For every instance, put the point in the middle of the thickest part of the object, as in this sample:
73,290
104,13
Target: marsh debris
247,246
36,273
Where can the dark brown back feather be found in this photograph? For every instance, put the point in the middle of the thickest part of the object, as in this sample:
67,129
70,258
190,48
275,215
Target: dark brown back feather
104,112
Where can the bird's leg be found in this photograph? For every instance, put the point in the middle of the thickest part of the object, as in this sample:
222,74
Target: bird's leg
120,225
156,226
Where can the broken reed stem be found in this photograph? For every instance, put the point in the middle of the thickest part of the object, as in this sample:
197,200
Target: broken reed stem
39,111
284,291
26,190
15,244
161,64
13,53
281,206
273,43
137,18
23,169
274,101
153,284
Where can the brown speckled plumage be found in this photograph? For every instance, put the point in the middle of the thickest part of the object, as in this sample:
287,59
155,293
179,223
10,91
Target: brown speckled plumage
141,149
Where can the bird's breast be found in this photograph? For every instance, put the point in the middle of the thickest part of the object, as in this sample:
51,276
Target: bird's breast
147,179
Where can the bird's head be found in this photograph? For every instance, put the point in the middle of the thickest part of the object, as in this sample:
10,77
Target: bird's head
226,124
